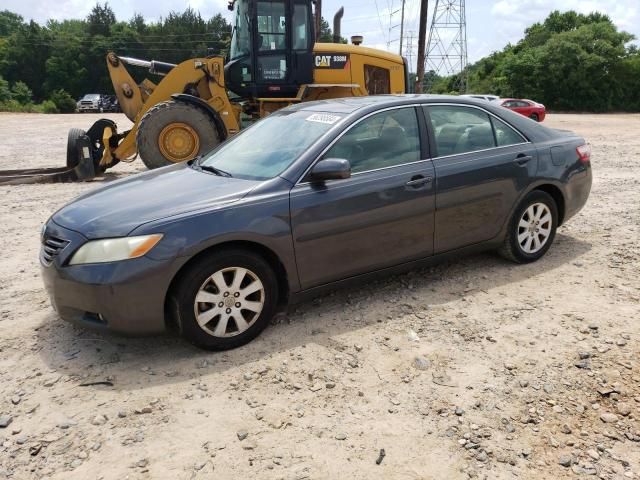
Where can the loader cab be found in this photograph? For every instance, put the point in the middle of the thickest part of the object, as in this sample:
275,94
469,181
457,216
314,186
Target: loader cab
271,50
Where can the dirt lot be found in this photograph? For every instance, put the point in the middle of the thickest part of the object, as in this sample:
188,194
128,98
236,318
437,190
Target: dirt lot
474,368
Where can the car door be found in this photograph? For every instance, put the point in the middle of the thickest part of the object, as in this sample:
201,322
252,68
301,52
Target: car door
381,216
482,165
522,107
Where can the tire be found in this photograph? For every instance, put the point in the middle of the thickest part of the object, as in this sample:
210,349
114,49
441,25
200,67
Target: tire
72,152
516,241
197,282
534,117
190,122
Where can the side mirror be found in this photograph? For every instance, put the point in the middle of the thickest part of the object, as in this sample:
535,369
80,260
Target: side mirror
330,169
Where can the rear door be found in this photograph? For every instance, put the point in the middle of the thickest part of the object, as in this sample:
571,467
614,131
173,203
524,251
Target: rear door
482,165
382,216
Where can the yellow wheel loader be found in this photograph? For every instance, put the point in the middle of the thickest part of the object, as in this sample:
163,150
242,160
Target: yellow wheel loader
273,62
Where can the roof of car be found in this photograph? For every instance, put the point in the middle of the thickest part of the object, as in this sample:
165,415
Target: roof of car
351,104
356,107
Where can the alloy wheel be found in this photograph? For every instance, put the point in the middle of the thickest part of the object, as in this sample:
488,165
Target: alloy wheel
534,228
229,302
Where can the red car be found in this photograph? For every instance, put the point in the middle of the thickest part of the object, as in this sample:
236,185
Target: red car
528,108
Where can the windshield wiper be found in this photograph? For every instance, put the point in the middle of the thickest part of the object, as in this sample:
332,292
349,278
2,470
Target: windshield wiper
217,171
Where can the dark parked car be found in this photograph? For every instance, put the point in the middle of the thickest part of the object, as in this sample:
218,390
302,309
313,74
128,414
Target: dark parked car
312,196
110,104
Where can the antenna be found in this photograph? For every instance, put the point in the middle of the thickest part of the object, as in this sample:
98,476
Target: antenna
446,52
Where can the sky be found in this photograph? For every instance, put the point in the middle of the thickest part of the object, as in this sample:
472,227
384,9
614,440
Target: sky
491,24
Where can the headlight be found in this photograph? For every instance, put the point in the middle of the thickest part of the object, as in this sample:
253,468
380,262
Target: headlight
114,249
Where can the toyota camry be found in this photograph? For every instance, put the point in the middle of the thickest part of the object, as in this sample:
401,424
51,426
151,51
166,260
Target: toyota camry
313,196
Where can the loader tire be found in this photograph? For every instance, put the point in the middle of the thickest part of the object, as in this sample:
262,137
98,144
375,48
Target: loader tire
173,132
72,148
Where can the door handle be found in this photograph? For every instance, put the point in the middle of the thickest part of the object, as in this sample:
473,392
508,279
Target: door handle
418,181
523,159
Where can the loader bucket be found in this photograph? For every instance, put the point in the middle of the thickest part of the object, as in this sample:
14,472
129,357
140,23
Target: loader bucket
85,149
79,154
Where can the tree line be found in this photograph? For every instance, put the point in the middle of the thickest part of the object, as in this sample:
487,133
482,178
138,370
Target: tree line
569,62
66,59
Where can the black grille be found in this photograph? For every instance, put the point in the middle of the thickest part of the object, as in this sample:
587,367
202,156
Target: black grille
51,247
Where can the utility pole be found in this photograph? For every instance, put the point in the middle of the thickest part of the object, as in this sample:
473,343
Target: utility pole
422,34
401,28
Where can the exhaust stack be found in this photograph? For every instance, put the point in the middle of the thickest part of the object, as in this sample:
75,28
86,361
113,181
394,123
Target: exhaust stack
337,18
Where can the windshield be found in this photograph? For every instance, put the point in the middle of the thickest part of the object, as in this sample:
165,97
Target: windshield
268,147
240,40
91,96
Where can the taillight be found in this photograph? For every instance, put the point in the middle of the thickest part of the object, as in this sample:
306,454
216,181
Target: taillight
584,153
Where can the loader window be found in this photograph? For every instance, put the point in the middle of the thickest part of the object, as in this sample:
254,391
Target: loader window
300,26
376,80
272,26
240,37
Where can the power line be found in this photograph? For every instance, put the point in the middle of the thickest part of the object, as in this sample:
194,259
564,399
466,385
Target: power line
379,19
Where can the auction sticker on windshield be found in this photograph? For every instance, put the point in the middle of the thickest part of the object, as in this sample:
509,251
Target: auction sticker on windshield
323,118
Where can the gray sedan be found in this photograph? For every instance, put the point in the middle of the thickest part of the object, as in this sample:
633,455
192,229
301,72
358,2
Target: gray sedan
313,196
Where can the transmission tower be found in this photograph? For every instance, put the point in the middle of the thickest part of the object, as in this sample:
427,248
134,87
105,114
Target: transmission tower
446,52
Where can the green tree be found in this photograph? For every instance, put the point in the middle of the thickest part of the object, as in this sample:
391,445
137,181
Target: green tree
5,91
326,35
570,61
101,19
63,101
21,93
9,22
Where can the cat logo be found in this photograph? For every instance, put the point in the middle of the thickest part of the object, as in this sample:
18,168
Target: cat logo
331,61
323,61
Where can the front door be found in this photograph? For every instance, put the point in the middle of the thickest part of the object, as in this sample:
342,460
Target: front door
382,216
482,166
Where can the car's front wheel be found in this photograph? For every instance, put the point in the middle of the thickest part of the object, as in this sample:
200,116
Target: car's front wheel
225,299
532,228
535,117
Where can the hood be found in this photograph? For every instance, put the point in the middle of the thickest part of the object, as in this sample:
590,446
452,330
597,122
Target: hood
116,209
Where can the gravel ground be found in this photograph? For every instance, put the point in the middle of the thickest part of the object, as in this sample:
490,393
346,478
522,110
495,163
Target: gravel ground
475,368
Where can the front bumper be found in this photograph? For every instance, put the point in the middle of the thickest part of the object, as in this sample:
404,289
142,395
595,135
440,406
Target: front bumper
124,297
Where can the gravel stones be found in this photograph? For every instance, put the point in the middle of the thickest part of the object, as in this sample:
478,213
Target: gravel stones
608,417
5,421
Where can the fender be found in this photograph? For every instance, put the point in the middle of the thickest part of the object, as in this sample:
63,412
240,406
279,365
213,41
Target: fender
202,104
525,192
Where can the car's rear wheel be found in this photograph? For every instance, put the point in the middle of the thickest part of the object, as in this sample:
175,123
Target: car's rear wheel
534,117
225,300
532,228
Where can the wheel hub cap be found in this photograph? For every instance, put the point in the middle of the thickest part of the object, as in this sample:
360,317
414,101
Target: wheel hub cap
534,228
229,302
179,142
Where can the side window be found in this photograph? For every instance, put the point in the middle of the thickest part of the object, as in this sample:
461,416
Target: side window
505,135
460,129
300,26
381,140
376,80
